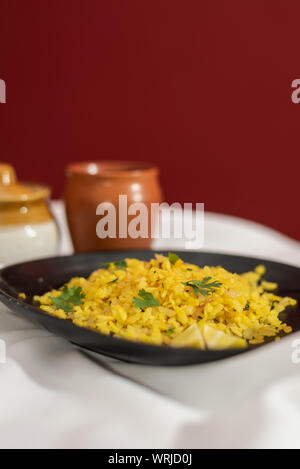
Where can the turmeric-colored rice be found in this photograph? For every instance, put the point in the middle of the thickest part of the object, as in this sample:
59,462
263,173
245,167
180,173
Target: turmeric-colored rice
243,307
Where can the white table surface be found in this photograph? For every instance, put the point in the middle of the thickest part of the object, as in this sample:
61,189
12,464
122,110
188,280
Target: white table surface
53,395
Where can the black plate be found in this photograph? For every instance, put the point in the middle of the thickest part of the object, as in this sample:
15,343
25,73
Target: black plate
39,276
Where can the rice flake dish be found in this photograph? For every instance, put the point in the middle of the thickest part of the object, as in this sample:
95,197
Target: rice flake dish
168,301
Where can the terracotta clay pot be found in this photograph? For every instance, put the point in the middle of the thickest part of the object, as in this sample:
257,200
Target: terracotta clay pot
92,183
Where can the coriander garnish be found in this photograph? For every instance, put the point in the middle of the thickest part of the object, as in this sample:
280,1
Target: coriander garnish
173,258
68,298
118,265
203,287
146,300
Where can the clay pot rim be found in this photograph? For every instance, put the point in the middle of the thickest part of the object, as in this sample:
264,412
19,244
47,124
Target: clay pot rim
111,168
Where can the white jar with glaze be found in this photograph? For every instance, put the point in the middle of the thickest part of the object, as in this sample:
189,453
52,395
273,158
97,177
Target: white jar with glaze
27,227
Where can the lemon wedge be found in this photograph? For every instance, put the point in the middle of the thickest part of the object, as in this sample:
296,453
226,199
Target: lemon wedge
217,340
190,337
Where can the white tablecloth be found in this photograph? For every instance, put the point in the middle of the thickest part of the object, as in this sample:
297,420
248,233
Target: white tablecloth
53,395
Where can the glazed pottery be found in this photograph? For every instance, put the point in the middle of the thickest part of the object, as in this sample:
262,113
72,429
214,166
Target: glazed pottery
27,228
90,184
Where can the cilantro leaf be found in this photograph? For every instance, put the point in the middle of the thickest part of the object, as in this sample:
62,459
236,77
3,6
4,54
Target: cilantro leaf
173,258
203,287
119,265
247,306
145,301
170,331
68,298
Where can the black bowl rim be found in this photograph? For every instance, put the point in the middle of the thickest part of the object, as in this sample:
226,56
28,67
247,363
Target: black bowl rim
138,345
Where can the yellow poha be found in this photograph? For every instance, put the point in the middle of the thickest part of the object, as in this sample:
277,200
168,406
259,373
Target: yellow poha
231,311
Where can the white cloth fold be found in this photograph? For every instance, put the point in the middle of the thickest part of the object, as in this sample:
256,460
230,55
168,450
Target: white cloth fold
53,395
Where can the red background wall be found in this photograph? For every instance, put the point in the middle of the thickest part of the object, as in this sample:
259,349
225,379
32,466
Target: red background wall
201,87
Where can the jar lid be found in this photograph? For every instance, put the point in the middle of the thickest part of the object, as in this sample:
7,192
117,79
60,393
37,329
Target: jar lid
11,190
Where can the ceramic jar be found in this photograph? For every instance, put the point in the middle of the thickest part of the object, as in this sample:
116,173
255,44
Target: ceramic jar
92,183
27,228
